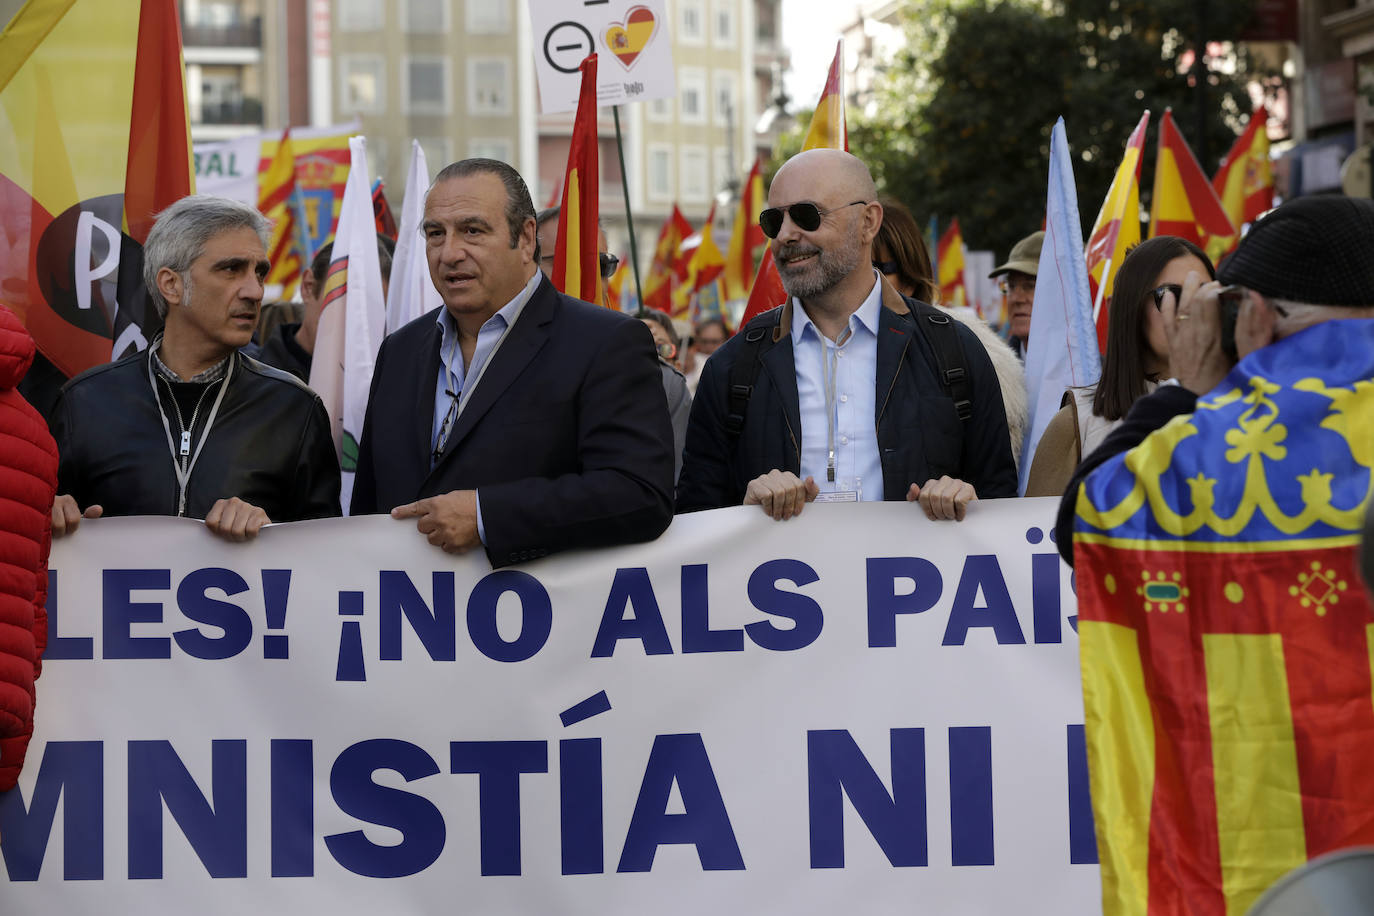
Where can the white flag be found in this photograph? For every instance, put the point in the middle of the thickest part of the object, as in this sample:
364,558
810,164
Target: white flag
353,321
411,292
1061,352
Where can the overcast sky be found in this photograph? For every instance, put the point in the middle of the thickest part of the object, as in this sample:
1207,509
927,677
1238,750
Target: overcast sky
810,30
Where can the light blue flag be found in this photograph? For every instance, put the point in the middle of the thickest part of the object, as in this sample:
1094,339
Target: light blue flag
1062,348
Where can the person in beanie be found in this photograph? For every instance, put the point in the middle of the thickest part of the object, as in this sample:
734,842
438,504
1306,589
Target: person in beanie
1018,285
28,482
1300,293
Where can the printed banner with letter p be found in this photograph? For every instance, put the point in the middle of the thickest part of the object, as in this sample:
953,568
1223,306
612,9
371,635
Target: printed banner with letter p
858,709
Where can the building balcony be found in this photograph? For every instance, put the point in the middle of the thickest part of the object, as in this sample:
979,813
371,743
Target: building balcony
210,35
245,111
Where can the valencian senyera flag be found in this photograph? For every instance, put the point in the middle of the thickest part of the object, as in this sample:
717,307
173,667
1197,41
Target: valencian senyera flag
1226,639
93,143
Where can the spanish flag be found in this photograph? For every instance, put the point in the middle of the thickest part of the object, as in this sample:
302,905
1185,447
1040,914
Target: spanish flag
950,258
1184,204
277,192
1226,639
746,237
658,286
1117,228
96,143
827,131
576,265
1245,182
703,271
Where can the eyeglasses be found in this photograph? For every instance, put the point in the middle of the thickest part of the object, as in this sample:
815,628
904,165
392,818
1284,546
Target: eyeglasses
609,264
886,267
1159,291
806,215
1019,285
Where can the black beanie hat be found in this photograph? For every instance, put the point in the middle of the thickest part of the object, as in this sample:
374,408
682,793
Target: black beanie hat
1318,250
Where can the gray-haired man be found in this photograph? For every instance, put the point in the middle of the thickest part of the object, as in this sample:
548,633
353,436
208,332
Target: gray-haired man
191,426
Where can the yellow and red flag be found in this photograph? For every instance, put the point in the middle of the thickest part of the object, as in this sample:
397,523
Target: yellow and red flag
704,269
746,237
97,144
1117,228
827,131
1245,182
658,286
1184,203
1225,636
950,258
576,265
276,190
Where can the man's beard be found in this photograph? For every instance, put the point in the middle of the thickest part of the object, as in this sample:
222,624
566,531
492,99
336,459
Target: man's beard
830,267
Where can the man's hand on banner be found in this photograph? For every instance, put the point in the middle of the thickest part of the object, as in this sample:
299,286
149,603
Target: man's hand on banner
449,520
781,493
66,515
945,498
235,520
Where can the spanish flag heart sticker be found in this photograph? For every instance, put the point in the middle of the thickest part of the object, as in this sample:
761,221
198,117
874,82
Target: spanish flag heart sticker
627,39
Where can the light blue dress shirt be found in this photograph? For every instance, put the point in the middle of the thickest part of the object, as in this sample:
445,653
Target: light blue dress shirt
858,464
453,389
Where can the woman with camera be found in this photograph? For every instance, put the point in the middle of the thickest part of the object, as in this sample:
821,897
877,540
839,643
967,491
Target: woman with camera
1137,359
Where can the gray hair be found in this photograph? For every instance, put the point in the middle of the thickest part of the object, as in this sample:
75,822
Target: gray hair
519,204
181,232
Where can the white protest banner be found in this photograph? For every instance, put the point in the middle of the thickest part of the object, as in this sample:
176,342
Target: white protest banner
856,711
632,37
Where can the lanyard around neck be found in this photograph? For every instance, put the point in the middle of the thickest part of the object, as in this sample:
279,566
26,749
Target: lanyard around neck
183,470
829,370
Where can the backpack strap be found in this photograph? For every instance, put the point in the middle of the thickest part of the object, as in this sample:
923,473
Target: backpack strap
744,372
939,331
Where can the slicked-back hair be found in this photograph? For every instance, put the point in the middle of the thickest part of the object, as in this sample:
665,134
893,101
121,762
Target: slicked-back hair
1123,369
181,232
902,238
519,204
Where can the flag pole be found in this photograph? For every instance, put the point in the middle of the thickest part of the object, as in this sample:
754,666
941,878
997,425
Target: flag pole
629,217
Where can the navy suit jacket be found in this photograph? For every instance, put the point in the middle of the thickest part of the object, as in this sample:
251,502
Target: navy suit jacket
566,437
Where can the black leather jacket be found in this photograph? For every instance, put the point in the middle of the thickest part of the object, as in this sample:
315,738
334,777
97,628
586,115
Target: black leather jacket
269,445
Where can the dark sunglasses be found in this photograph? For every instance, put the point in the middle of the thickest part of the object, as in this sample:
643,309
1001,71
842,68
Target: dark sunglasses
886,267
609,264
1159,291
806,215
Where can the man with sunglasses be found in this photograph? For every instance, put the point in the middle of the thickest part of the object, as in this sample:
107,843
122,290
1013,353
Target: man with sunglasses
514,418
847,402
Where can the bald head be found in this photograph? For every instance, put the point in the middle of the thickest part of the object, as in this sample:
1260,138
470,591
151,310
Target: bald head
832,171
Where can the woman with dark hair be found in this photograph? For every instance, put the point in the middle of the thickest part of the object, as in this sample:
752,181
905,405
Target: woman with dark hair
1137,359
900,255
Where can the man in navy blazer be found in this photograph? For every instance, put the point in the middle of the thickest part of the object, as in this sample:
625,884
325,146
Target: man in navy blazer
515,417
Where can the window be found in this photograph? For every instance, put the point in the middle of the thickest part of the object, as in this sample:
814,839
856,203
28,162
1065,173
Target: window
692,89
364,82
425,17
693,29
726,99
660,172
488,17
490,148
438,152
359,15
696,185
661,110
489,86
426,84
724,23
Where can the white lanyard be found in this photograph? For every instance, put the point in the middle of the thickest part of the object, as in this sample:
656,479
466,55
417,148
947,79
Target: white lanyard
461,395
829,370
180,465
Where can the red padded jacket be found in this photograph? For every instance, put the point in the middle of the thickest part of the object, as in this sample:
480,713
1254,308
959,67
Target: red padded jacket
28,482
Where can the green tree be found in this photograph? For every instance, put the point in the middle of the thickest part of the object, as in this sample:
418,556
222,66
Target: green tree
965,112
